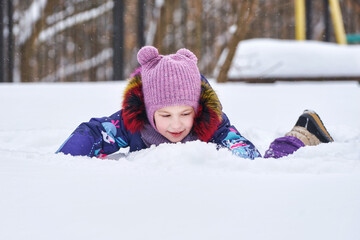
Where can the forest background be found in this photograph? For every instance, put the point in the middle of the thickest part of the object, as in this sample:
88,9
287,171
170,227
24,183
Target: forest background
97,40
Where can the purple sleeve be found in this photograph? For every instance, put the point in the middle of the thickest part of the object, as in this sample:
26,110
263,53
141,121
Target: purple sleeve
283,146
98,137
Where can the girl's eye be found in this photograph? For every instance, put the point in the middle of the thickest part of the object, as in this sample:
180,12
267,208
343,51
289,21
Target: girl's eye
186,114
165,116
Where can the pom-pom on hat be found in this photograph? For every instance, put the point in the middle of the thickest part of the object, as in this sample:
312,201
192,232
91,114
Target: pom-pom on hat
169,80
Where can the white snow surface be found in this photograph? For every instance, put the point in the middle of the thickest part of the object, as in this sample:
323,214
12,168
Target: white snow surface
179,191
271,58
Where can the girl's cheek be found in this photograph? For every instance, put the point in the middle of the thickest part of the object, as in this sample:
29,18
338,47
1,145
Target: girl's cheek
190,122
162,123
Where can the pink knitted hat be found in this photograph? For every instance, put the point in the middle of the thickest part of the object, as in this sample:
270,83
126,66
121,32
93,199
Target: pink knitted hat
169,80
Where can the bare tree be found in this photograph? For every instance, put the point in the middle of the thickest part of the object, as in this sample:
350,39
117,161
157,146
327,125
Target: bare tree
2,75
73,40
28,47
244,18
10,52
141,23
194,26
118,40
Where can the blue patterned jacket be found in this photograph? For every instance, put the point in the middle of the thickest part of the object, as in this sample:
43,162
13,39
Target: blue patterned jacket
104,136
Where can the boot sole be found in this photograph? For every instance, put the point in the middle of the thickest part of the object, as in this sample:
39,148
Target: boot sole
319,124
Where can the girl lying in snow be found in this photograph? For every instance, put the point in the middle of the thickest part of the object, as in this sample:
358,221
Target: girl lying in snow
166,101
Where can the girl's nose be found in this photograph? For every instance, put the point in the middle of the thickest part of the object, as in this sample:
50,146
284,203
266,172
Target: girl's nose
176,124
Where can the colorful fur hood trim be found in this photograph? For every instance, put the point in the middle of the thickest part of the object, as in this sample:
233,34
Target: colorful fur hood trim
207,118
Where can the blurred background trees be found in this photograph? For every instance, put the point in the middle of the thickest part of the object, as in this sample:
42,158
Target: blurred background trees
97,40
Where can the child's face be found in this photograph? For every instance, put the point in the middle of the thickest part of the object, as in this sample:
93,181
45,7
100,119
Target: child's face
174,122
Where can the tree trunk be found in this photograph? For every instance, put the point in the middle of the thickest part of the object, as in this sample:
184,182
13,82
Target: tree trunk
243,21
28,48
141,23
194,22
118,40
160,27
2,48
10,53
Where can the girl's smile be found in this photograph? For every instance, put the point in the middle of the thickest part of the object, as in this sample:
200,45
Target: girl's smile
176,134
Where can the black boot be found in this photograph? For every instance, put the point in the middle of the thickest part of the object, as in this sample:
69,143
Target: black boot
312,122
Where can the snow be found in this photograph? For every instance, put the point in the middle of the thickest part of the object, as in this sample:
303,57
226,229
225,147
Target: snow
74,20
179,191
267,58
70,69
27,21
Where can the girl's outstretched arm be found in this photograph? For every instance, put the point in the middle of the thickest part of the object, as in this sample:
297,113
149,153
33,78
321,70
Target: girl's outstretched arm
228,136
96,138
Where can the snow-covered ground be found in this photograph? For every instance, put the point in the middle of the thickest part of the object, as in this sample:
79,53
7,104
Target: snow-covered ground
179,191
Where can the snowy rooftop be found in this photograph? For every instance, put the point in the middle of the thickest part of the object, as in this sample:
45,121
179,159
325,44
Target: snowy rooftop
270,58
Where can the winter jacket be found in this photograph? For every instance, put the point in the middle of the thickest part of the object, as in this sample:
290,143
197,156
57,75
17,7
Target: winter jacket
103,136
